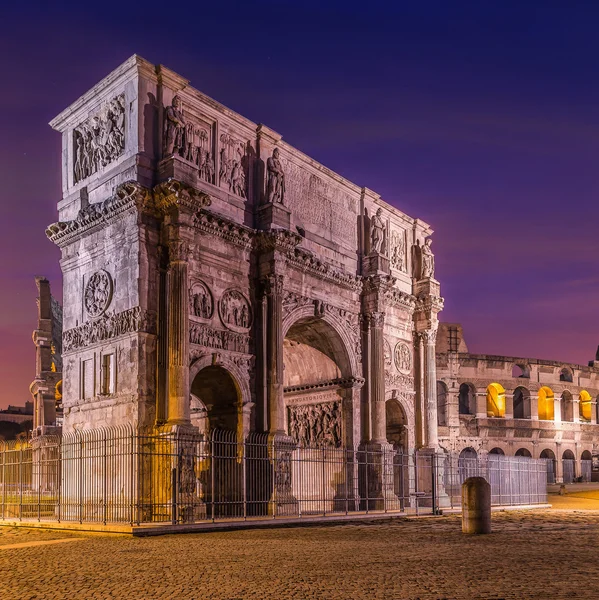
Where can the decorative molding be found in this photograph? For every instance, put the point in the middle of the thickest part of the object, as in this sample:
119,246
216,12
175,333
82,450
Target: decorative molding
175,194
305,261
399,299
202,335
129,195
109,326
347,382
224,228
280,240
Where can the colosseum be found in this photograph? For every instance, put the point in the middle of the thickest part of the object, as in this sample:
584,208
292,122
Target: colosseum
516,406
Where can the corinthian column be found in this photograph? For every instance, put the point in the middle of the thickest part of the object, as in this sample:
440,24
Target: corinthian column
430,367
377,384
178,335
273,288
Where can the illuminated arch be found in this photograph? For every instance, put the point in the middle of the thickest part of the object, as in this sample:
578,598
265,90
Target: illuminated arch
546,408
495,400
585,406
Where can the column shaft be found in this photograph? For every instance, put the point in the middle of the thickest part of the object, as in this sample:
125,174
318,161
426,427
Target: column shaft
432,438
377,385
274,375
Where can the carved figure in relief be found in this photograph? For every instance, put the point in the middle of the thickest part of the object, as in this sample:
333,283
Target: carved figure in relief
316,425
428,259
174,124
403,357
276,178
377,232
191,150
98,293
207,168
398,252
235,310
237,179
201,301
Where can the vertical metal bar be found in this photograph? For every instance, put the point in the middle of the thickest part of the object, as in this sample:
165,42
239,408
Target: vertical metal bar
4,452
21,481
212,475
434,481
81,482
105,477
244,478
323,488
39,483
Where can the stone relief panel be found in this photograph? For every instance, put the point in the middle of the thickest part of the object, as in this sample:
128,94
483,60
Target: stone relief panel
388,356
107,327
235,311
318,202
100,140
316,425
190,138
403,358
234,165
202,335
201,302
398,250
98,293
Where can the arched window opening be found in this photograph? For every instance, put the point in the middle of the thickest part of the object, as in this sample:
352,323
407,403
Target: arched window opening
467,399
497,451
442,397
521,403
566,375
521,370
523,452
567,406
568,466
585,406
495,400
586,459
549,457
546,406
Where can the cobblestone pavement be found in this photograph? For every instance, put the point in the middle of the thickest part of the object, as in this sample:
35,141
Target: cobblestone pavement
540,554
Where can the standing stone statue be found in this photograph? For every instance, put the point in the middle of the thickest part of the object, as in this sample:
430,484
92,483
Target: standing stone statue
276,178
428,259
377,232
174,128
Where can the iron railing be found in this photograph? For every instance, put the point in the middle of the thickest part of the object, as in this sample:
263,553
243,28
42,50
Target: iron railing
119,475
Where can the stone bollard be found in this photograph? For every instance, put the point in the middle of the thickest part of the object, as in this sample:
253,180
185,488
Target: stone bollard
476,505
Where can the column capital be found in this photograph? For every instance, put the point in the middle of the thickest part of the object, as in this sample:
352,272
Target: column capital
375,318
272,284
179,251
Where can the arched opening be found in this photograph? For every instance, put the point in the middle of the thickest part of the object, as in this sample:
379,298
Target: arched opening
546,404
215,389
497,451
569,466
397,426
585,406
495,400
566,375
521,370
467,399
521,403
567,406
397,436
523,452
316,364
467,464
586,460
549,457
442,397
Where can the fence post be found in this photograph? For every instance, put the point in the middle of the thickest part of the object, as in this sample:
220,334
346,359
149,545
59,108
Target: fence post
244,477
434,482
212,477
39,481
3,479
20,482
324,482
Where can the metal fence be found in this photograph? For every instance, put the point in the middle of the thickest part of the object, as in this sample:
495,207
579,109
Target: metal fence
119,475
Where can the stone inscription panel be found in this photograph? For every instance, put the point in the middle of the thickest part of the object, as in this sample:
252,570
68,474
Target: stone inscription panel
322,204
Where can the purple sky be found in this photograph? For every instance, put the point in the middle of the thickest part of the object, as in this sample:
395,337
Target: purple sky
481,120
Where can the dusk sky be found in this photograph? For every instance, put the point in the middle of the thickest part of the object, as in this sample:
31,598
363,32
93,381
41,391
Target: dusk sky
481,118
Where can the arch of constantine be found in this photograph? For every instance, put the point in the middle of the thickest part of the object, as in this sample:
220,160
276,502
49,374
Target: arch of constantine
221,287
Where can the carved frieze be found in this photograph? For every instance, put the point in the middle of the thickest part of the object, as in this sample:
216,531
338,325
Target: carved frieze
235,311
402,356
234,165
201,302
292,301
100,140
98,293
107,327
316,425
399,381
398,250
202,335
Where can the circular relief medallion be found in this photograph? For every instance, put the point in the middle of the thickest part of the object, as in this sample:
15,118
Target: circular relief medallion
403,358
235,312
98,293
201,303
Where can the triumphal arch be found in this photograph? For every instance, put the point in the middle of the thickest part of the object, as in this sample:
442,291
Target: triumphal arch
215,277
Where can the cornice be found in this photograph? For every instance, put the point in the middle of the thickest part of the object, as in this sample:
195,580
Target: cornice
172,193
128,196
224,228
